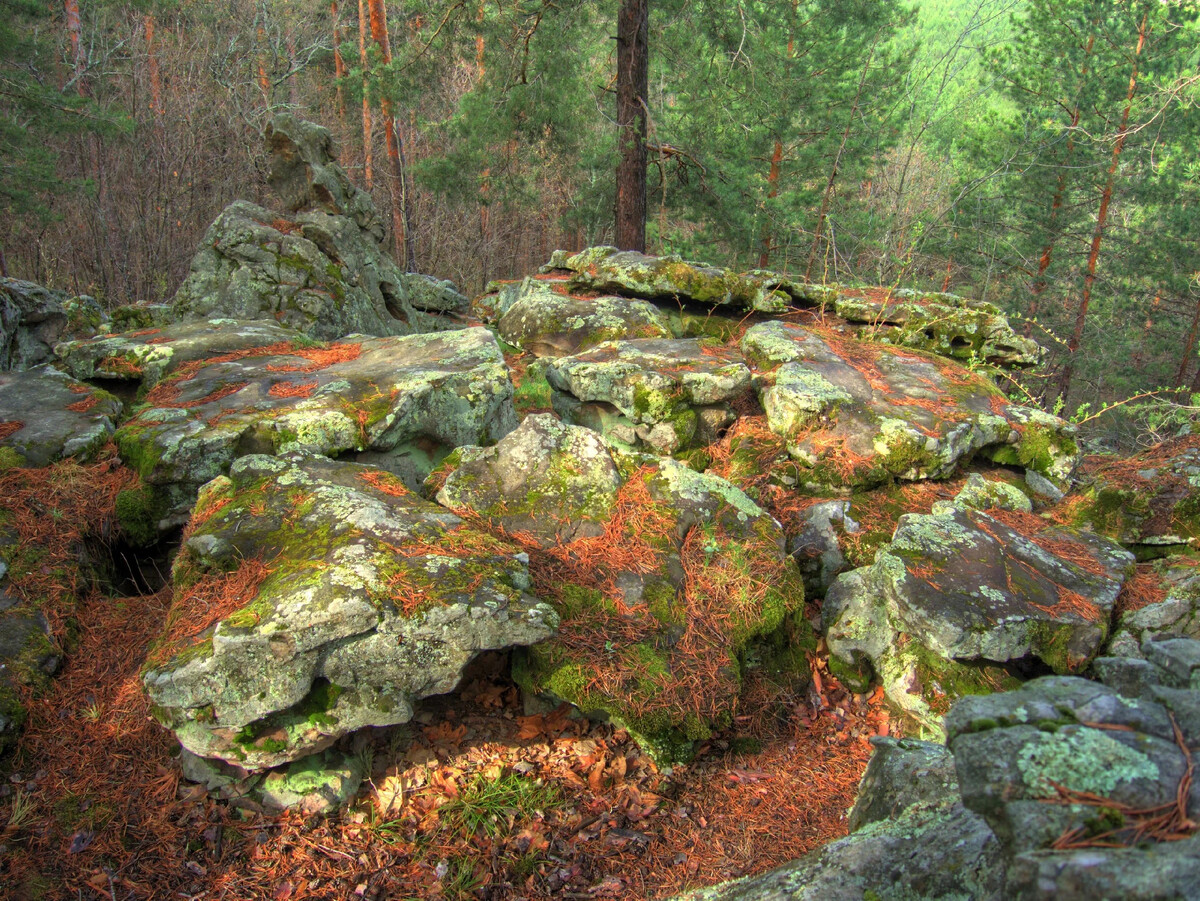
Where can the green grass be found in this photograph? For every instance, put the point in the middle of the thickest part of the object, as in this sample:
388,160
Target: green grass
488,804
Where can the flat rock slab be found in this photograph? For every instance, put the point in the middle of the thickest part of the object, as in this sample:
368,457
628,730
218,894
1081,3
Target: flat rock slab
633,274
859,414
146,355
941,323
1150,498
45,415
381,395
554,323
965,588
664,394
340,598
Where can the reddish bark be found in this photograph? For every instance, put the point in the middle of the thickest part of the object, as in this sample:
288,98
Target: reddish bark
1189,348
764,258
368,138
1089,278
339,64
156,105
75,34
405,251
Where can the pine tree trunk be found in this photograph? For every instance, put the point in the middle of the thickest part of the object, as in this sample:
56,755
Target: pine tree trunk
485,180
401,231
368,137
1189,348
264,82
1060,190
633,85
339,65
1089,278
75,34
764,258
156,105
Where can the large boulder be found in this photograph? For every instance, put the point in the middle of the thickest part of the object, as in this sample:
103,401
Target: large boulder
1089,788
46,415
1150,498
552,324
858,414
958,592
672,279
320,267
28,657
399,402
944,324
1169,608
666,395
663,585
33,319
316,597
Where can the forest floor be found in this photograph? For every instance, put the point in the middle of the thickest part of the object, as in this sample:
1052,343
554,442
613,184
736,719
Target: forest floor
470,800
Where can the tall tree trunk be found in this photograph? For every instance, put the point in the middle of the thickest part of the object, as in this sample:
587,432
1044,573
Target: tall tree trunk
401,230
764,258
156,105
485,180
837,161
75,34
633,85
293,85
1060,190
1189,347
368,138
339,65
1089,278
264,82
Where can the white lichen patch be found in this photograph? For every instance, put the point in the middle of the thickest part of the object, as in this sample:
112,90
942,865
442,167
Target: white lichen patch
1080,759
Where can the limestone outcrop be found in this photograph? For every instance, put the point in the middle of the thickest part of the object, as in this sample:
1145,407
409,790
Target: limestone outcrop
319,266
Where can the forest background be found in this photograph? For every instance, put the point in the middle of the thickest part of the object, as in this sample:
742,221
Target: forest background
1038,154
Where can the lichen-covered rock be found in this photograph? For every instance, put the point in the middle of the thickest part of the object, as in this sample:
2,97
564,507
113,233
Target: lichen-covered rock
667,395
46,415
552,481
408,401
859,414
957,592
145,355
320,268
550,324
1176,614
318,784
1150,498
1067,771
28,657
911,839
33,319
983,494
816,548
657,609
670,278
314,598
944,324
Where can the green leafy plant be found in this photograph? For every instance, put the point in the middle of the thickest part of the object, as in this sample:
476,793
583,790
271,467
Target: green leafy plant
488,804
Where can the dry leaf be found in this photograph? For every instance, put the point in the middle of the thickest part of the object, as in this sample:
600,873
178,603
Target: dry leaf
389,796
